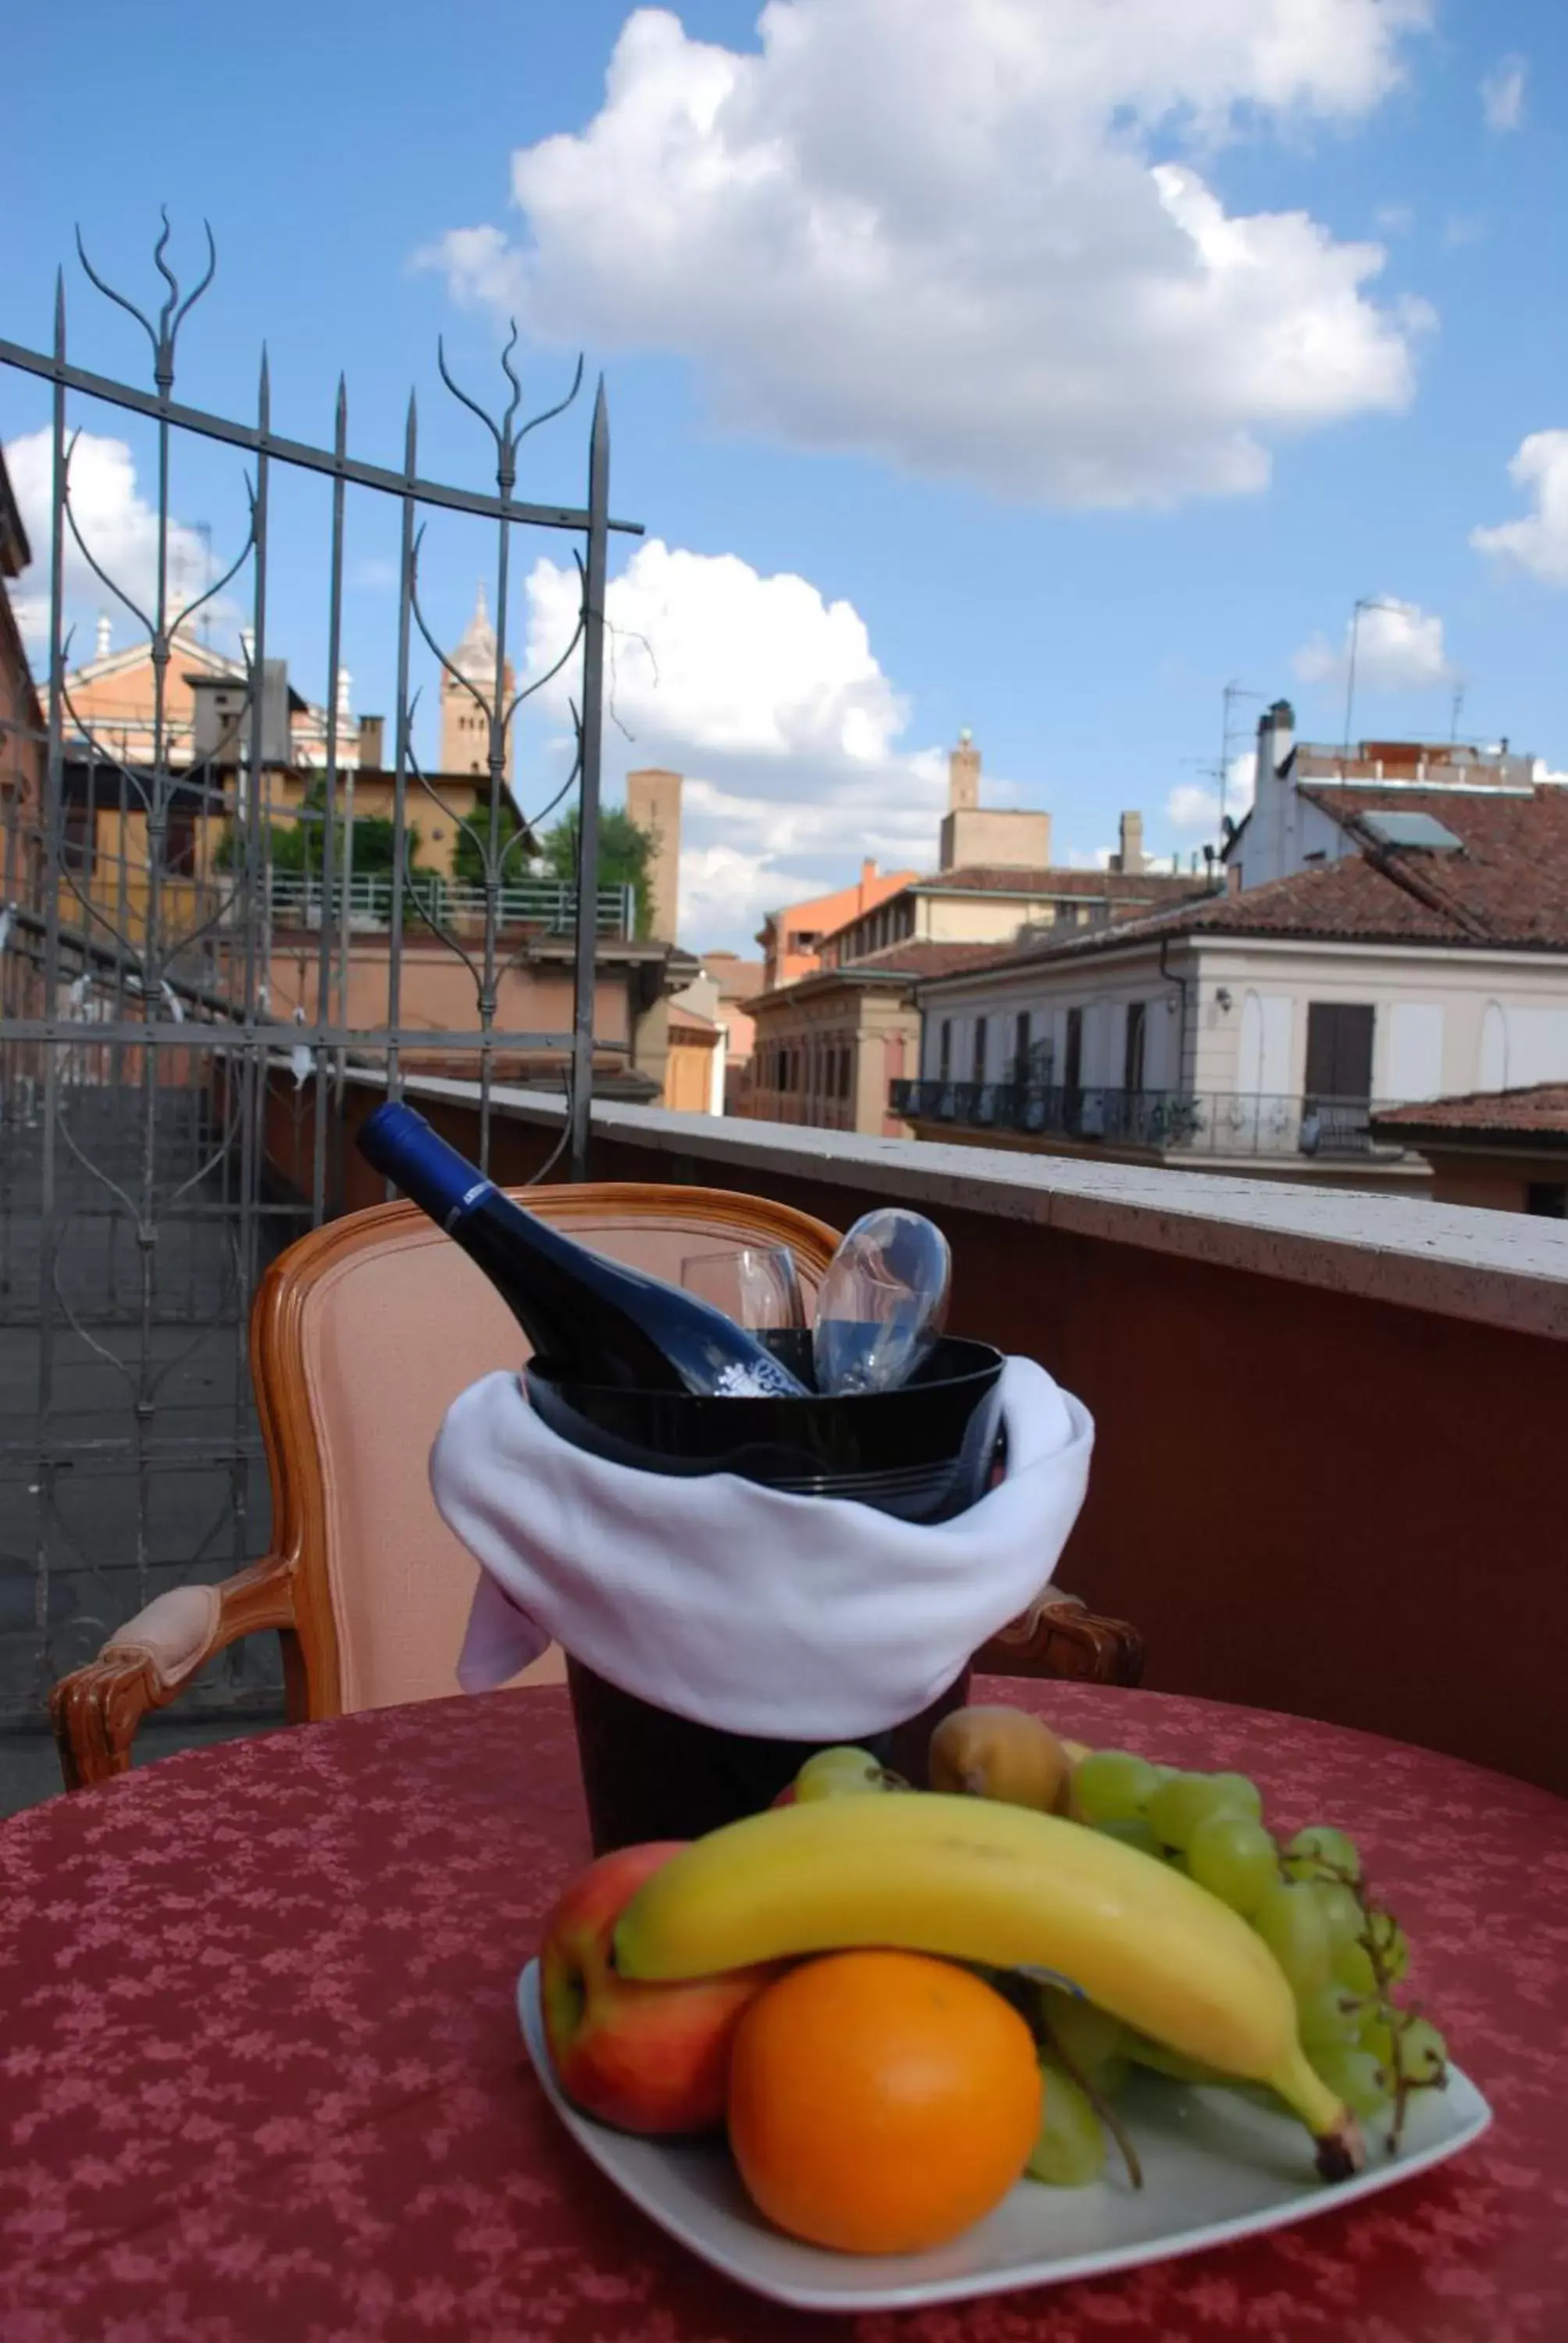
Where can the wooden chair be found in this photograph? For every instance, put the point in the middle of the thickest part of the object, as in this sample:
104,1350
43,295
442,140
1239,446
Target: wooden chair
362,1335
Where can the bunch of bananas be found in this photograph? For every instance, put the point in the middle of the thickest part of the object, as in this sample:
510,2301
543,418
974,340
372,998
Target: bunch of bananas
979,1870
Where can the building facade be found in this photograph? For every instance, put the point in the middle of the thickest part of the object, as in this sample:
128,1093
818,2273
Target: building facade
790,939
1262,1030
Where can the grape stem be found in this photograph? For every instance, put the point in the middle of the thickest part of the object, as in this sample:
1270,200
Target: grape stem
1394,2018
1047,2036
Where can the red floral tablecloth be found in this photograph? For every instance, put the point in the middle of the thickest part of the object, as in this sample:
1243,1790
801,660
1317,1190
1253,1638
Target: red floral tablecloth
260,2075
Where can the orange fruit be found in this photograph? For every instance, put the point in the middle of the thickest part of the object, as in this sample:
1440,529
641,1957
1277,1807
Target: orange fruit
881,2102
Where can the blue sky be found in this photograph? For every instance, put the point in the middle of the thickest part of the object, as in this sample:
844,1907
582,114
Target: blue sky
1010,367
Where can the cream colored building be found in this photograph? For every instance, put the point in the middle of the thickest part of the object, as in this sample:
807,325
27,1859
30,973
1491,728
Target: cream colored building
1260,1029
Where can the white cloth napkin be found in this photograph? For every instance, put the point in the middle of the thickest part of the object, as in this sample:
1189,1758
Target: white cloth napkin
745,1608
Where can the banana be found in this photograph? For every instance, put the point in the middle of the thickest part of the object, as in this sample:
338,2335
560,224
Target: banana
999,1885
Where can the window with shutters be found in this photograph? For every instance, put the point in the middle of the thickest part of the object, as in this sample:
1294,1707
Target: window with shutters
1132,1050
980,1048
1072,1064
1339,1049
945,1049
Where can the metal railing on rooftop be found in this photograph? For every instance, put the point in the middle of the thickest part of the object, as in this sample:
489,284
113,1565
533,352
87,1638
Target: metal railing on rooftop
544,903
1167,1122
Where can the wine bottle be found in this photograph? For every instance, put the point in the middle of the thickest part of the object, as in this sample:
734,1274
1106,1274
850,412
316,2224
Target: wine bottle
592,1319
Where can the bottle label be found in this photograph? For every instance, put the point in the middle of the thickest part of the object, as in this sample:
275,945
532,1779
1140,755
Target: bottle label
756,1379
465,1203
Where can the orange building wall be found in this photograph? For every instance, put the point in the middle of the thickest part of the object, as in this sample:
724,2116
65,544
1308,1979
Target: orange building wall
787,959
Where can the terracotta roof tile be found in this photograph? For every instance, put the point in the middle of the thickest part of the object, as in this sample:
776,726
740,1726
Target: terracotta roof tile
1137,886
1507,886
1539,1112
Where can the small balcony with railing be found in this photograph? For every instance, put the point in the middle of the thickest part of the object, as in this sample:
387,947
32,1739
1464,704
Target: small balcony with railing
548,906
1218,1130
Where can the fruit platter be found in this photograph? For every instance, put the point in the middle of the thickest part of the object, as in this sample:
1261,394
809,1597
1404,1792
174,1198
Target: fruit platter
1066,2011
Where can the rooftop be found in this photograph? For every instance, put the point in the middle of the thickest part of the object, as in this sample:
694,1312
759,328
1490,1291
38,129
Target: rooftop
913,959
1505,885
1533,1117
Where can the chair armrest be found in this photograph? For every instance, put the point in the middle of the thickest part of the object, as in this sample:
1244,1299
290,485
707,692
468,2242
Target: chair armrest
1058,1635
96,1709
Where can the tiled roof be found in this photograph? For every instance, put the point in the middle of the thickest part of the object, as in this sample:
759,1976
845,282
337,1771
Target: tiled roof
688,1020
1506,888
913,960
1539,1113
1136,886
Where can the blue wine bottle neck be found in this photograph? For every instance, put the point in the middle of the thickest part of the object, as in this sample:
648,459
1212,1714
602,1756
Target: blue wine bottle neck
399,1142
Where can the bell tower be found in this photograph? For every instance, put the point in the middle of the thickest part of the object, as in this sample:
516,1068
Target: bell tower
464,722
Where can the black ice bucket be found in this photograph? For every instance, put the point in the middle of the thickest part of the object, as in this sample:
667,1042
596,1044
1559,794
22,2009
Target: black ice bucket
924,1452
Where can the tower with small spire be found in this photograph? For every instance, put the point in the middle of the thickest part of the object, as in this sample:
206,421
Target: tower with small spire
465,722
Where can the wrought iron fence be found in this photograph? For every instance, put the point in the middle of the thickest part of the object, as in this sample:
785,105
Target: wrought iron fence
144,995
1166,1122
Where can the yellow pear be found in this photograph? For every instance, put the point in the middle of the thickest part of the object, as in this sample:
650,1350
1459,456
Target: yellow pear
989,1752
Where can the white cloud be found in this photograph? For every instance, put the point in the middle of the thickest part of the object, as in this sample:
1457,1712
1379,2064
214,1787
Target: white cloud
1502,94
1192,808
120,529
1538,543
1399,647
972,236
769,699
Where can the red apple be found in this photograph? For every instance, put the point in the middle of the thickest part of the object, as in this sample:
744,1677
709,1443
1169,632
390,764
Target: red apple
646,2058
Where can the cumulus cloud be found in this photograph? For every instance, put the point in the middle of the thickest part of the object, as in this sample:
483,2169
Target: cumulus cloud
1538,542
119,527
973,237
1502,94
769,698
1192,808
1399,647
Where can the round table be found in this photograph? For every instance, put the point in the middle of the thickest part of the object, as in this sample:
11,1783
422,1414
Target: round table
260,2073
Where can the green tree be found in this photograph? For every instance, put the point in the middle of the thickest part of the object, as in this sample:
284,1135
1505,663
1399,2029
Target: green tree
298,849
624,854
472,837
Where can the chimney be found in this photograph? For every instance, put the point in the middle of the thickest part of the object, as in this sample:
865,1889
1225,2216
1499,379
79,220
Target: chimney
105,635
1130,858
1276,737
963,774
653,803
344,681
372,729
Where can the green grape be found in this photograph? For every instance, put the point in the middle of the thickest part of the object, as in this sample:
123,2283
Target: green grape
1180,1805
1112,1785
1408,2047
1423,2052
1319,1852
1291,1923
1390,1943
1234,1859
1070,2151
1242,1795
1355,2076
1090,2037
1135,1832
1341,1908
837,1774
1329,2015
1351,1966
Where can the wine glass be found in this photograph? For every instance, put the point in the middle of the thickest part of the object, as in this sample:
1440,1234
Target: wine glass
756,1285
882,1302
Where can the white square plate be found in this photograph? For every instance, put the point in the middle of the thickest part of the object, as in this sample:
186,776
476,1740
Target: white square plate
1215,2167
